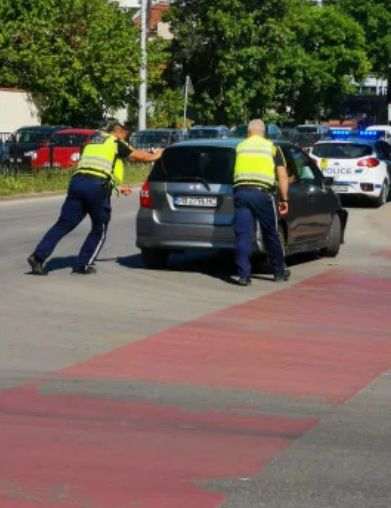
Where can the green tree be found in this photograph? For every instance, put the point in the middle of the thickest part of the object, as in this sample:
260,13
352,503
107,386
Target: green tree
250,58
230,49
325,49
375,18
79,58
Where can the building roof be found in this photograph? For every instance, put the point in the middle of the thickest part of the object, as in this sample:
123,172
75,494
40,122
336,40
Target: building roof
154,16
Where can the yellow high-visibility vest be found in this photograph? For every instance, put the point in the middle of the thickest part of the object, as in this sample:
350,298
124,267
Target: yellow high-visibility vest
254,163
99,158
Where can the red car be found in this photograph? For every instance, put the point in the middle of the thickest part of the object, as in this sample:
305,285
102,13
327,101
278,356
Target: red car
63,149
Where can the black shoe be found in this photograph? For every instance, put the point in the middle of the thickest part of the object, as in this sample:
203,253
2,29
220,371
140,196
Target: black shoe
284,276
83,270
36,265
244,281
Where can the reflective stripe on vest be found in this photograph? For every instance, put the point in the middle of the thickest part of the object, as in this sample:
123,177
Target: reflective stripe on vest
99,157
254,163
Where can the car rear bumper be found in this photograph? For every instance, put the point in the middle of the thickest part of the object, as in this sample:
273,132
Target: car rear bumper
154,234
369,189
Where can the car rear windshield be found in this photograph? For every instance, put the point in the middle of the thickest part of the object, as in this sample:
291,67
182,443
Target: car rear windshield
68,140
214,165
342,150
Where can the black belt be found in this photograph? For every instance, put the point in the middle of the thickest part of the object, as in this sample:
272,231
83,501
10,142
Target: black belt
268,190
89,175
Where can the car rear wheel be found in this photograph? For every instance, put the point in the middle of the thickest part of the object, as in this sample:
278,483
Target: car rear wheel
334,238
383,196
154,259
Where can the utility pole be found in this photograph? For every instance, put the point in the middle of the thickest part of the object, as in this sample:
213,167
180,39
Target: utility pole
142,108
185,103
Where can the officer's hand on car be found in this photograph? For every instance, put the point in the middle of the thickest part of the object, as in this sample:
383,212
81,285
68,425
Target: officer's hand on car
283,207
125,190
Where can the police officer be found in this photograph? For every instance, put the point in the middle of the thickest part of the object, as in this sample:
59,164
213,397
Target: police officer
99,171
259,167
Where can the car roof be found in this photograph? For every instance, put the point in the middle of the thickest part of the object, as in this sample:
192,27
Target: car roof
41,128
218,143
86,132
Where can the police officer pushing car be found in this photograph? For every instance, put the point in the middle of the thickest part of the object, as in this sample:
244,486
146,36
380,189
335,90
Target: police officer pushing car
259,169
100,170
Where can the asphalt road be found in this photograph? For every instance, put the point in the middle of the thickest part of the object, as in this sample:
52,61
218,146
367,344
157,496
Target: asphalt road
175,389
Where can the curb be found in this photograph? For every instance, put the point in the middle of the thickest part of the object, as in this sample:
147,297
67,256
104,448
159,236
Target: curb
46,194
32,195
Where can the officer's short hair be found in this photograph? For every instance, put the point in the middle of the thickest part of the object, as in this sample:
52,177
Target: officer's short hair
257,126
114,127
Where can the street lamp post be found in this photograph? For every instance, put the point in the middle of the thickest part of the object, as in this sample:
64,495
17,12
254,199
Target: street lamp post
142,109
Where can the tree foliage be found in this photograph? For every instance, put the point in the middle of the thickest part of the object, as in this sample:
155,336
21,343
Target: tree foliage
247,57
80,58
325,51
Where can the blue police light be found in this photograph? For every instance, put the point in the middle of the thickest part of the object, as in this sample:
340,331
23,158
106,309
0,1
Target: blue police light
340,133
371,134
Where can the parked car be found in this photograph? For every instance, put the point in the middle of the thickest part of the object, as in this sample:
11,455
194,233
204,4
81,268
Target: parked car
209,132
317,129
148,139
272,131
359,165
187,203
385,130
62,149
26,140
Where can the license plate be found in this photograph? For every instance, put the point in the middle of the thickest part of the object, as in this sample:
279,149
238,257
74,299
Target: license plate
196,201
340,188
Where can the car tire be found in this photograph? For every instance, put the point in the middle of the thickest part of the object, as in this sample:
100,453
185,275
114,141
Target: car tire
334,238
154,259
384,194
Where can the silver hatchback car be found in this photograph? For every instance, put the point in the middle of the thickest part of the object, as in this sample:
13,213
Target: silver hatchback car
187,203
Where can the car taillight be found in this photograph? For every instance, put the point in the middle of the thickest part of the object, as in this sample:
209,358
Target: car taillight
371,162
145,196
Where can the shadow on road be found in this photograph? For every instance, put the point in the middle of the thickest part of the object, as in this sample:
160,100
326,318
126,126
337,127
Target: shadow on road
217,265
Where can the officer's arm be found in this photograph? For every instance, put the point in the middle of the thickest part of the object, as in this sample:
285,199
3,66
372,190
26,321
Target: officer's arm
144,156
283,182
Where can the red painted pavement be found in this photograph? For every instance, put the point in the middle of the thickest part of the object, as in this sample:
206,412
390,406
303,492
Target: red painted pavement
325,338
385,253
77,452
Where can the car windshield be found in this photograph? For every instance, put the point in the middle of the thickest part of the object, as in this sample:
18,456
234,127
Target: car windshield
342,150
203,133
68,139
210,164
33,136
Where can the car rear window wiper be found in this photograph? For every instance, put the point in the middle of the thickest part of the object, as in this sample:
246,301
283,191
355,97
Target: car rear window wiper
192,179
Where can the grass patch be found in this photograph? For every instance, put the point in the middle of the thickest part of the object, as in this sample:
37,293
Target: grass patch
58,180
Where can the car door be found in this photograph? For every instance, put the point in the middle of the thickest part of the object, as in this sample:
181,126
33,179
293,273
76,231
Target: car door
383,149
296,218
313,196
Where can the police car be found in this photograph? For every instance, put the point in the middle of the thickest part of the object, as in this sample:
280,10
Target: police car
359,163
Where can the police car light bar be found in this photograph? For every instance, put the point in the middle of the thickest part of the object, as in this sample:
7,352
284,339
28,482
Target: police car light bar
340,133
363,134
372,134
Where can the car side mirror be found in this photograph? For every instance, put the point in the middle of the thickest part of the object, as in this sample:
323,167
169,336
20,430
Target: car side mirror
328,181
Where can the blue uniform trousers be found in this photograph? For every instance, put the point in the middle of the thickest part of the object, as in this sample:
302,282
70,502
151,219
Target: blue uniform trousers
87,195
251,204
